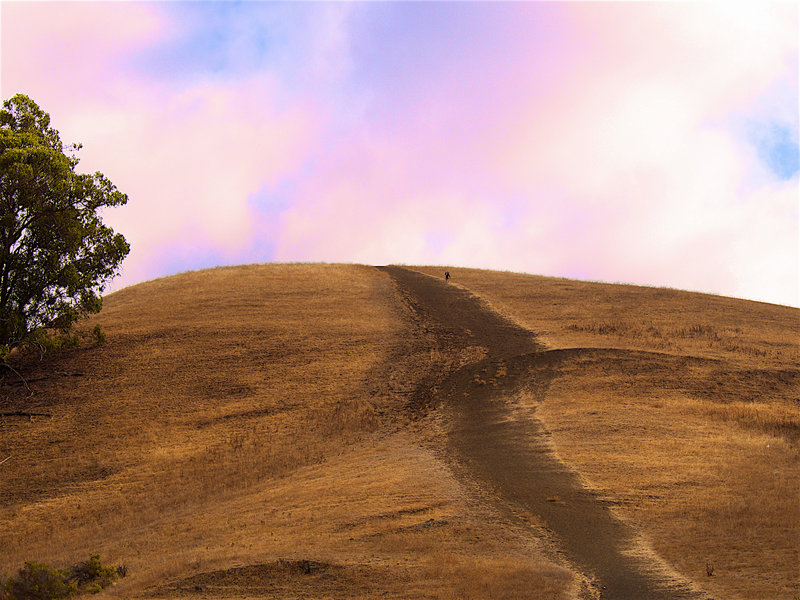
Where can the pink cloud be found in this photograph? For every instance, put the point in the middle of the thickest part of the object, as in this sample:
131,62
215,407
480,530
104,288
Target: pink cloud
60,51
603,148
645,138
191,161
191,157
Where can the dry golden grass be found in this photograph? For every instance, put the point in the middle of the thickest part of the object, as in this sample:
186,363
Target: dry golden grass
688,423
237,417
566,313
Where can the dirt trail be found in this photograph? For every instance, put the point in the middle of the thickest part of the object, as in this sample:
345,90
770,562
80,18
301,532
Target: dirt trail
508,452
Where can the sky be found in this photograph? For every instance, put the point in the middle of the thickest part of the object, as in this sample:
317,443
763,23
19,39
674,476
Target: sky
648,143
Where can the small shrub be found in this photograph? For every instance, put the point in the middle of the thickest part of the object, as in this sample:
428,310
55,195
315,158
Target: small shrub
37,581
92,573
48,340
98,335
43,340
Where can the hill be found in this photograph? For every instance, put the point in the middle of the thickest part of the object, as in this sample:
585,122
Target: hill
292,431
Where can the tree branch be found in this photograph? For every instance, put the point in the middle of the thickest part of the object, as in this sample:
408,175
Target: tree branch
17,373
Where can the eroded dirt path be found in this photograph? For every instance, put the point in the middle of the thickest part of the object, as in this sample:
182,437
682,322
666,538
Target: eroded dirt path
508,452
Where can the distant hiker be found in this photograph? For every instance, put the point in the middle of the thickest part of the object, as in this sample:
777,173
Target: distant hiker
447,275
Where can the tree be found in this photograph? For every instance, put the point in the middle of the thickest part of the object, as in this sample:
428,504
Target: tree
56,255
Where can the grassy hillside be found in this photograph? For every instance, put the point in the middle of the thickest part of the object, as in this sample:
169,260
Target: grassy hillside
243,433
688,422
251,417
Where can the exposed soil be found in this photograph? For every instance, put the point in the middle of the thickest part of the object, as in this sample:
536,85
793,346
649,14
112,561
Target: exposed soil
508,451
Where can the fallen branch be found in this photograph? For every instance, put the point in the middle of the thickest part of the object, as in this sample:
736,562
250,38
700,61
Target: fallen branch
5,459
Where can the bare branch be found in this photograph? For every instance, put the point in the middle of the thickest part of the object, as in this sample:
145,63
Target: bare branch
18,374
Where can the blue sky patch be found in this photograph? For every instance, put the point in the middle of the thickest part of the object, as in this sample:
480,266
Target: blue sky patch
778,148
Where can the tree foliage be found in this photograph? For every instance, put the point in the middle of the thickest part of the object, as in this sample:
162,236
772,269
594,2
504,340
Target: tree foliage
56,255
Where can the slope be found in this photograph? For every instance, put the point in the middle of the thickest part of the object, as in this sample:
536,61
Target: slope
682,410
508,450
243,432
290,431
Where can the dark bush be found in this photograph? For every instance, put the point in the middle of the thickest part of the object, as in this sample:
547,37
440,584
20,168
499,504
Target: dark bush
98,334
36,581
92,574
